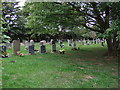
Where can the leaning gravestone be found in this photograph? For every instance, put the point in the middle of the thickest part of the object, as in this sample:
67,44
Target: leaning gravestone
31,47
16,46
53,46
42,47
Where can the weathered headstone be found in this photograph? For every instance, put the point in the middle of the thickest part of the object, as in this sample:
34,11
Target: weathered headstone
24,42
69,43
93,41
44,42
97,41
74,43
102,42
51,41
27,45
31,47
61,44
16,46
53,46
42,47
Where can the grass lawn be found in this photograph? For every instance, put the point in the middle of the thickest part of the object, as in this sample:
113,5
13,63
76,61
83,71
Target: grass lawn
86,68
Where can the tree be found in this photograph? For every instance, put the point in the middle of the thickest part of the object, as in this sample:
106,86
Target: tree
95,16
11,14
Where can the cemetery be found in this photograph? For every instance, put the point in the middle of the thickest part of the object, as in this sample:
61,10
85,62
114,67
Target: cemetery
53,55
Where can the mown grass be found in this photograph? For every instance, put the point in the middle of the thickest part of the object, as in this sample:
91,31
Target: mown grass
86,68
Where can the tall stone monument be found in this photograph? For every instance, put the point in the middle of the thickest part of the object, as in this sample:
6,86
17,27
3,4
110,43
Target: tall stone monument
16,46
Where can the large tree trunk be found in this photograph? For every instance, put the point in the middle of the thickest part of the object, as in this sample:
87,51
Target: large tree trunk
112,45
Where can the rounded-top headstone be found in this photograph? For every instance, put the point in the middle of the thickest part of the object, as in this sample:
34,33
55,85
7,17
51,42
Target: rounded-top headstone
31,42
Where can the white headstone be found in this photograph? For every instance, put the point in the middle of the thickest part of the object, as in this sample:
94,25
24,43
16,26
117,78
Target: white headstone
27,44
31,42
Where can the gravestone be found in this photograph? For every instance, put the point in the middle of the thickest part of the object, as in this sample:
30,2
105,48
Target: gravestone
93,41
97,41
84,41
27,45
53,46
51,41
69,43
102,42
74,44
61,44
31,47
44,42
24,42
16,46
42,47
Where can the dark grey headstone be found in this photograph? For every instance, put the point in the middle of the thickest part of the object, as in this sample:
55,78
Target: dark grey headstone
53,48
31,49
42,49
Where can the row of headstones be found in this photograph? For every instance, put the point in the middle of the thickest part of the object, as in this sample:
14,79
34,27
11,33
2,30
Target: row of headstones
86,42
30,45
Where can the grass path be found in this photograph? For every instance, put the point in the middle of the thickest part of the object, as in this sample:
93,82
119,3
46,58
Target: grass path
86,68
